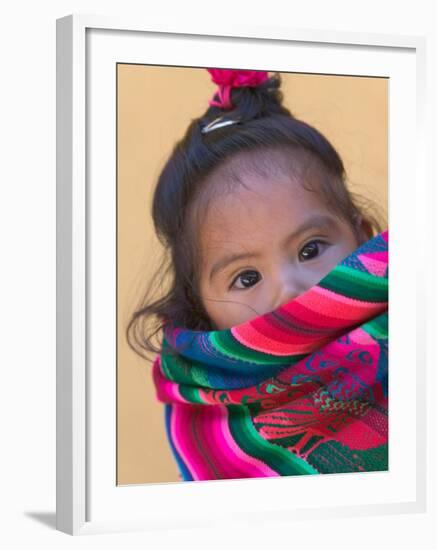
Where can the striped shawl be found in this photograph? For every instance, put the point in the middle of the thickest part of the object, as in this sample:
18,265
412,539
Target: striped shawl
300,390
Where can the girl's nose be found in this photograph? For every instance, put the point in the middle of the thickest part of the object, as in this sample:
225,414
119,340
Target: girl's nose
288,289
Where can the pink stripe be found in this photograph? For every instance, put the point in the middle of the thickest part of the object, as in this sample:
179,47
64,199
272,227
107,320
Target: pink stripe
304,319
269,329
322,299
167,390
232,461
218,448
257,341
177,396
380,256
257,467
312,317
178,439
267,338
182,440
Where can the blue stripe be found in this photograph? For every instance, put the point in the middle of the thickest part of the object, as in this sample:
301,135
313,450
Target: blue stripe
186,476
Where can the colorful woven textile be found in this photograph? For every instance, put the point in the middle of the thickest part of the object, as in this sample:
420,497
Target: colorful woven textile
299,390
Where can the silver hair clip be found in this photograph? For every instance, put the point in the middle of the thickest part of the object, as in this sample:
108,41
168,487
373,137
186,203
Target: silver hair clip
218,123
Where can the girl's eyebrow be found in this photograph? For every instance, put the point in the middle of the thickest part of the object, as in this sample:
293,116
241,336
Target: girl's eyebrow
228,259
319,221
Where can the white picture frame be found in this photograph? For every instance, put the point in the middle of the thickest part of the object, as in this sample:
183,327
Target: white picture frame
88,500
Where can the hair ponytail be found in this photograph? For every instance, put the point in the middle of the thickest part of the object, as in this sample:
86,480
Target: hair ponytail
251,102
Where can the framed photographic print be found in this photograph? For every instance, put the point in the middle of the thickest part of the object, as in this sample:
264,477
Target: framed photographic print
223,205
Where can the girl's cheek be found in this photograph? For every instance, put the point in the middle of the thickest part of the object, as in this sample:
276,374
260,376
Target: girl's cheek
313,273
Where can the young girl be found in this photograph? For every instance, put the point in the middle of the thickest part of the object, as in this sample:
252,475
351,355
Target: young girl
273,356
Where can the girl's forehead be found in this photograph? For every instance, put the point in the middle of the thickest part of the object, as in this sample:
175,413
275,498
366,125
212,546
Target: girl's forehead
261,197
256,192
259,209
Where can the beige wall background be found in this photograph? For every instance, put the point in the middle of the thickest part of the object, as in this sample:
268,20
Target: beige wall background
155,105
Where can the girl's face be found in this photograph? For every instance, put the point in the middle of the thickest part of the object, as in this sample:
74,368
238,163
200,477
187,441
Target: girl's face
263,245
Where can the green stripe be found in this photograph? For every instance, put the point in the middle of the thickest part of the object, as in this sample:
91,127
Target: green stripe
378,327
190,394
334,458
356,284
183,371
247,438
294,411
165,368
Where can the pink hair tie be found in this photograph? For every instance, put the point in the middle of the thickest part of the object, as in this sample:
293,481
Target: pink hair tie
228,79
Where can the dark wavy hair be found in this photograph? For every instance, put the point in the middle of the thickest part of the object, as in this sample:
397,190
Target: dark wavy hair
184,189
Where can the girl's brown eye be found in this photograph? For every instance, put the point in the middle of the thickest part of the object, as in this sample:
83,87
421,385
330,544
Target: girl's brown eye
247,279
310,250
